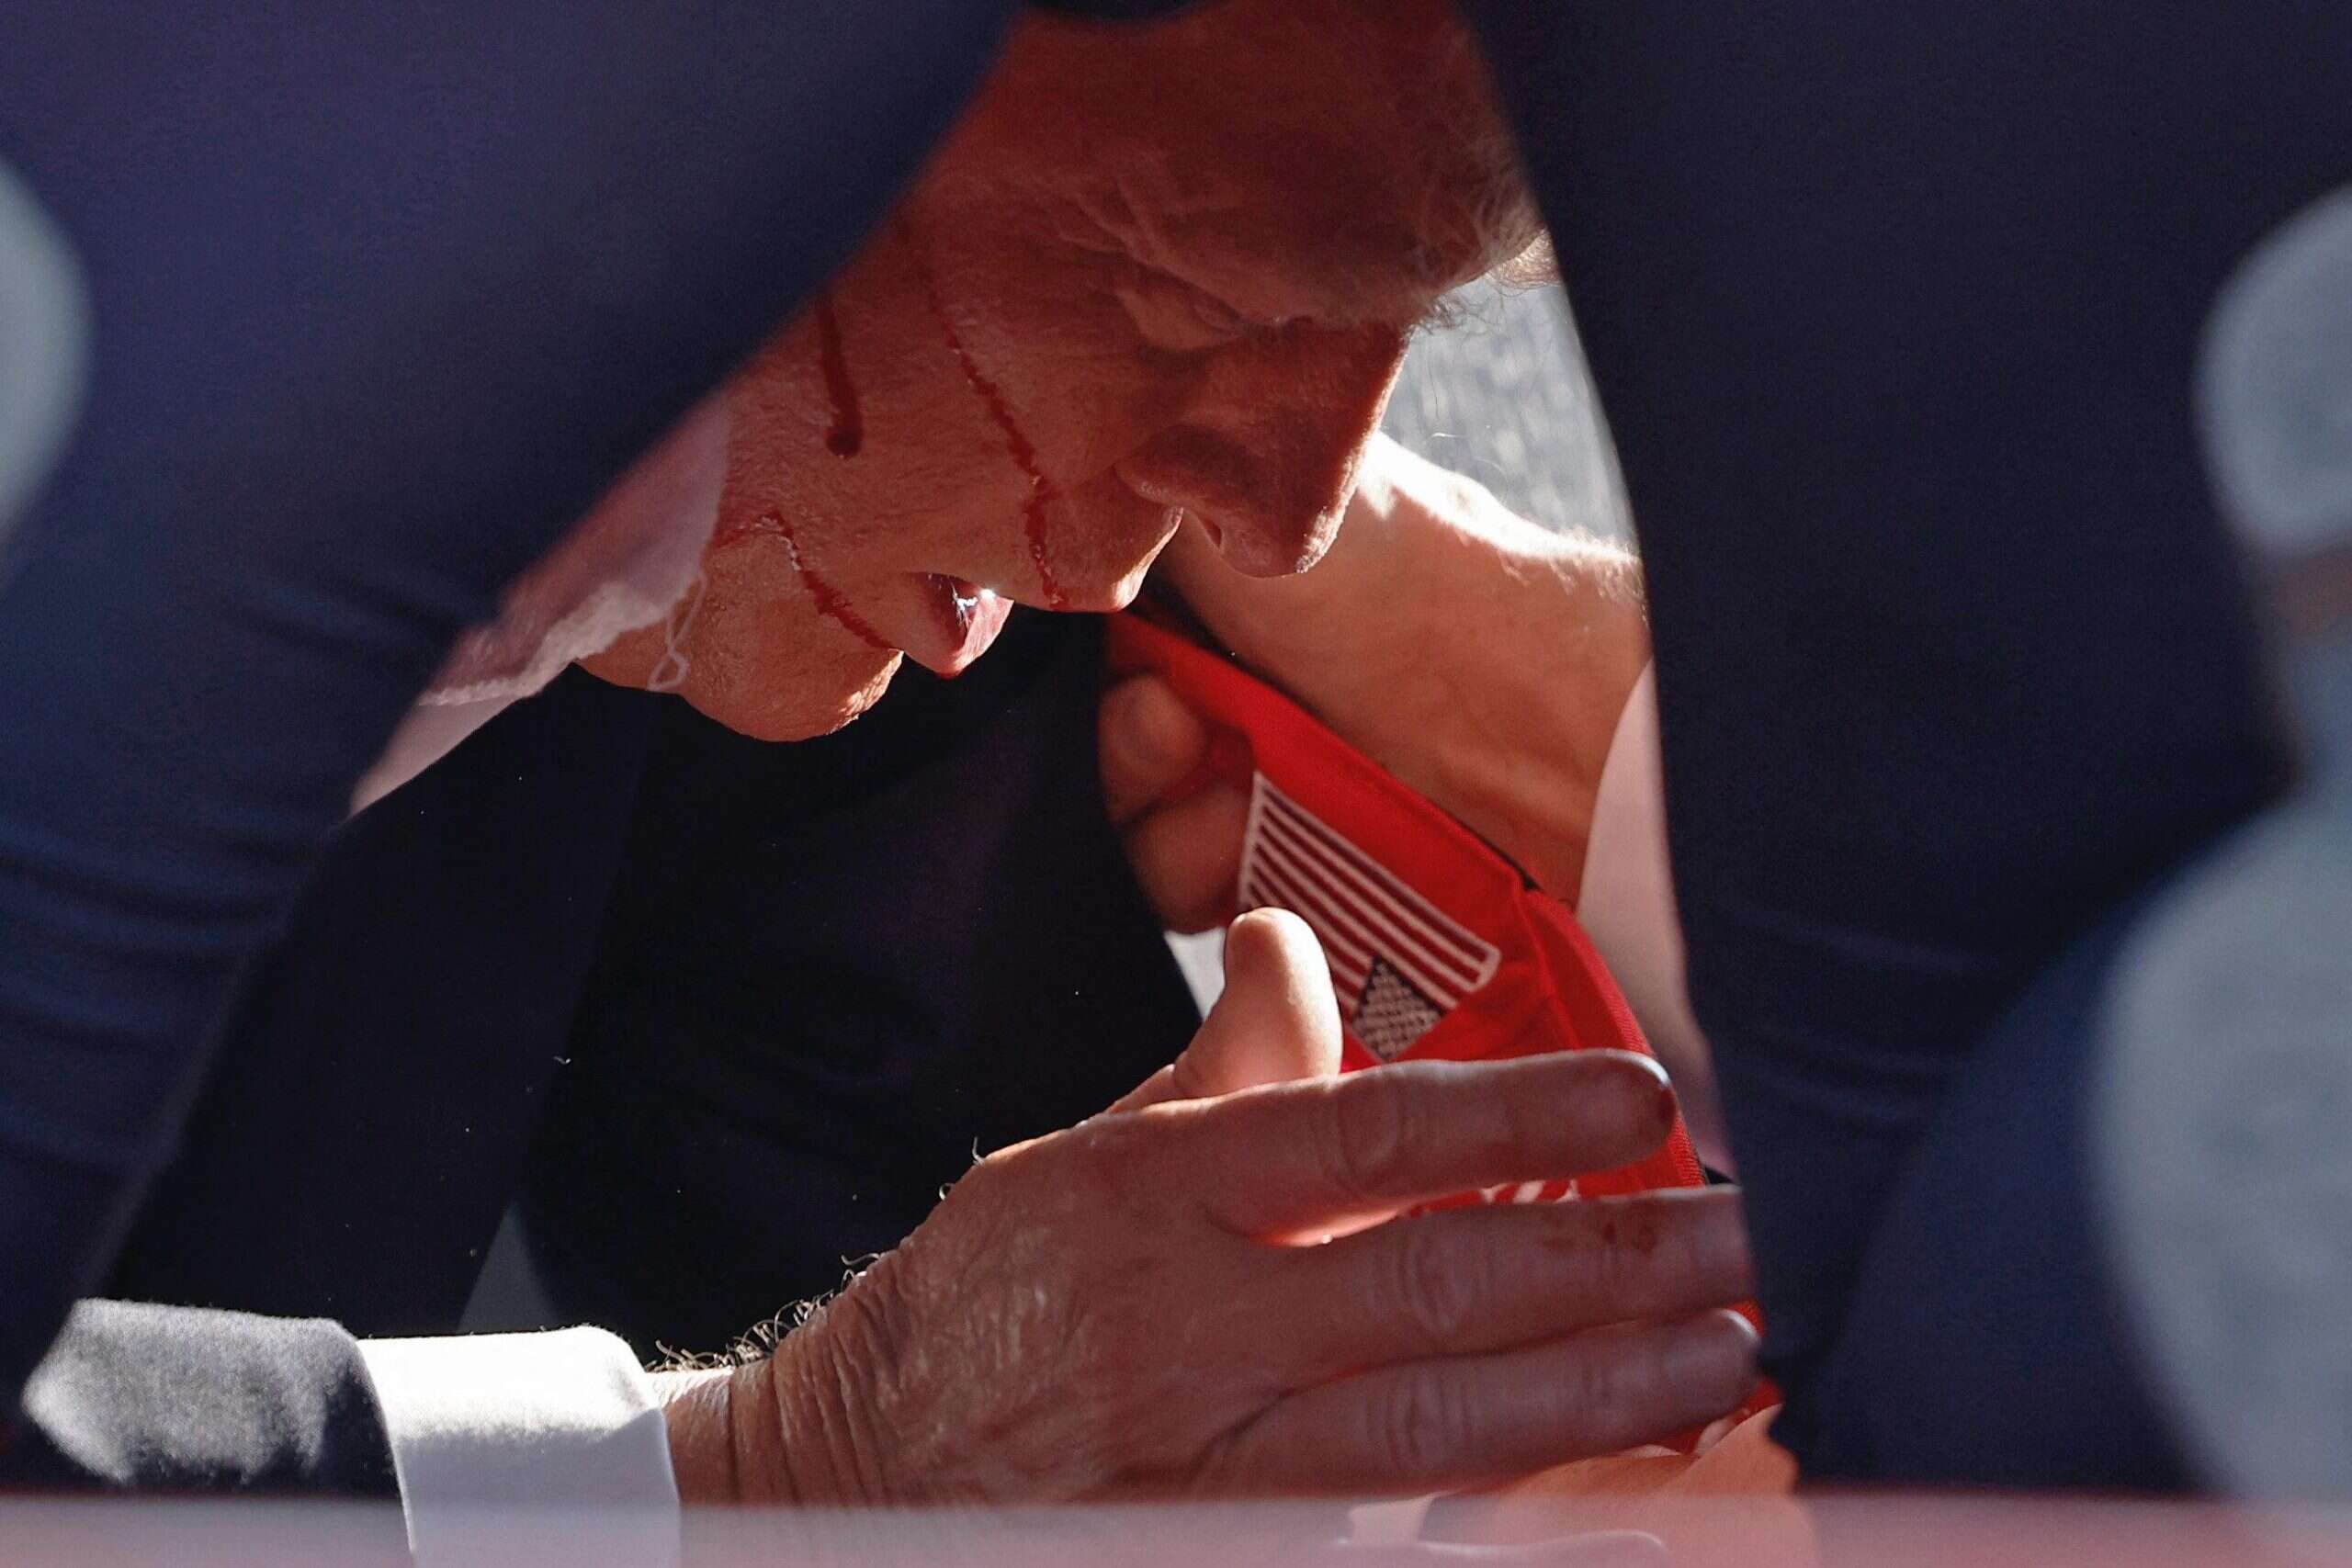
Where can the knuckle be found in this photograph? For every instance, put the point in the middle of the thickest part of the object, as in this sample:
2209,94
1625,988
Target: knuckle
1370,1133
1424,1427
1435,1286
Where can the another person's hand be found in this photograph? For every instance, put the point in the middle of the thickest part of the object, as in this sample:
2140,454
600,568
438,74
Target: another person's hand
1482,660
1183,844
1135,1306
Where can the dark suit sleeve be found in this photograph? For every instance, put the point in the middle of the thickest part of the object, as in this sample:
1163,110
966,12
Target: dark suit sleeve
378,302
186,1400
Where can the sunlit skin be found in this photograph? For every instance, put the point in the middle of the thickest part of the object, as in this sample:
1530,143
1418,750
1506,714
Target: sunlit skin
1153,274
1162,274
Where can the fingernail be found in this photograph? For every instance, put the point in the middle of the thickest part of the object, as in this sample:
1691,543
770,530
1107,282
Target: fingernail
1713,1359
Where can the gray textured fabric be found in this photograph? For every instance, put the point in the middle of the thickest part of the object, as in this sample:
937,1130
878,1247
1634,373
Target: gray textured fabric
2226,1061
2221,1123
2276,388
1500,393
44,346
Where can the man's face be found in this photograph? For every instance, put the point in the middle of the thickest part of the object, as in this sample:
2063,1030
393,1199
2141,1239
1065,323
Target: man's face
1158,273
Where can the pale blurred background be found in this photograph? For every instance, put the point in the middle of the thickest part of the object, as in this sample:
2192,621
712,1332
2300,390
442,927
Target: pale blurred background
1502,394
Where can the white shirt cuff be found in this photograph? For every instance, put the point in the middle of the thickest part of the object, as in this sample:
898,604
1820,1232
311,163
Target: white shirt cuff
1626,906
528,1448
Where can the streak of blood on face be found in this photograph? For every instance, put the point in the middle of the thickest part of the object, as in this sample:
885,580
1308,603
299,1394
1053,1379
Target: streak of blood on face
829,600
1018,447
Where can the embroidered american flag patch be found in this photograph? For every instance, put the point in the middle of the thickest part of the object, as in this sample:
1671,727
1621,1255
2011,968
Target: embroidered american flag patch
1397,962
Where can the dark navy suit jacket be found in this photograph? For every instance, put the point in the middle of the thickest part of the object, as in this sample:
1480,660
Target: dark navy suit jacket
726,1013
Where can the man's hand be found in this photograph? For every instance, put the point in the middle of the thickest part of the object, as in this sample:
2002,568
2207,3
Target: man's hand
1186,850
1480,658
1137,1306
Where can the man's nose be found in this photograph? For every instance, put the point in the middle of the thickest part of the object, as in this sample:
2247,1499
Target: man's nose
1266,447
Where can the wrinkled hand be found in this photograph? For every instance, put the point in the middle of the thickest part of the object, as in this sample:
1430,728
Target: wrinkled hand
1185,849
1124,1309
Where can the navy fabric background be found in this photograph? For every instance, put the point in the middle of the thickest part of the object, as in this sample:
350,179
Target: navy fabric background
1893,312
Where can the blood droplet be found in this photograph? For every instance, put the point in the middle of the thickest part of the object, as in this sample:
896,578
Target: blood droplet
1042,493
847,436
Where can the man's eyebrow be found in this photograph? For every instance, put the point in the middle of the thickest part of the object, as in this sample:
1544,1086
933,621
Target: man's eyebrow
1406,302
1393,281
1413,285
1323,299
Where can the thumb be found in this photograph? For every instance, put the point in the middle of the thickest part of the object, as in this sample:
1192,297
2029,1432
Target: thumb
1277,1021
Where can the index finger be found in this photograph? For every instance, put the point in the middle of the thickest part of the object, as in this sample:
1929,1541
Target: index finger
1320,1155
